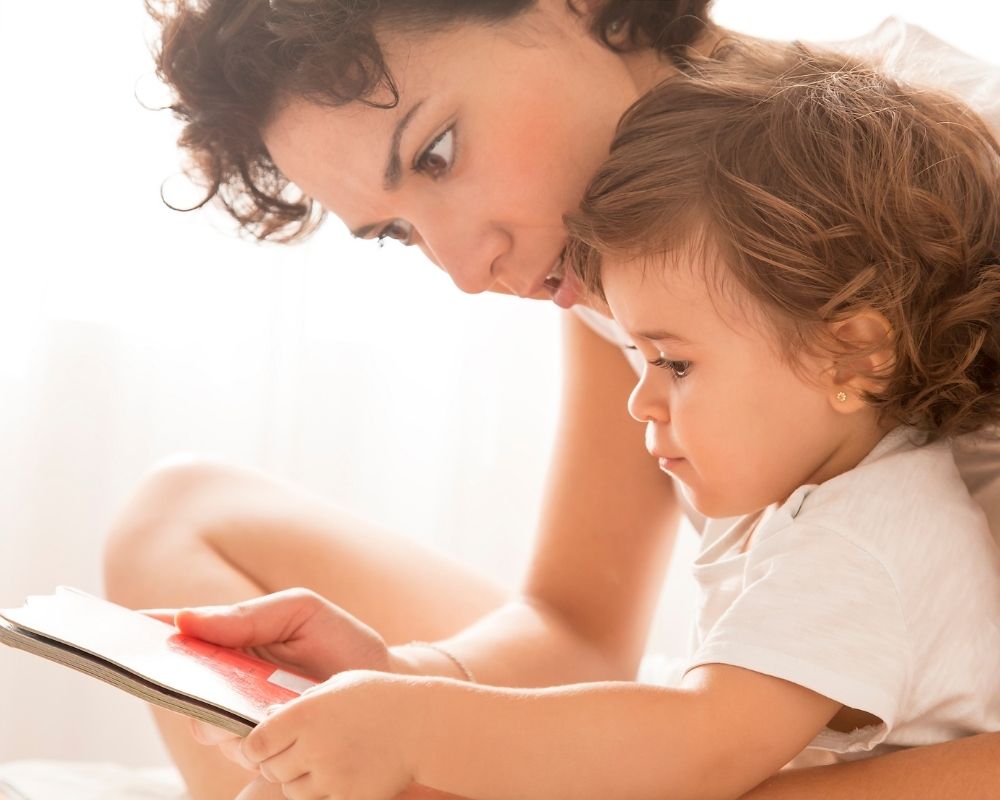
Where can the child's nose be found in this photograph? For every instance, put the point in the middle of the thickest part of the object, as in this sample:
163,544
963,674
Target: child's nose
647,403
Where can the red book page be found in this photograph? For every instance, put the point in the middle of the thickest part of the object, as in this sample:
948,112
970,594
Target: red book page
156,651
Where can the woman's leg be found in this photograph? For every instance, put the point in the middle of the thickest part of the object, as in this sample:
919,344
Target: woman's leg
198,532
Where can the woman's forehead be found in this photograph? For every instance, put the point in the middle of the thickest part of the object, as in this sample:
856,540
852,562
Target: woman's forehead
434,75
332,153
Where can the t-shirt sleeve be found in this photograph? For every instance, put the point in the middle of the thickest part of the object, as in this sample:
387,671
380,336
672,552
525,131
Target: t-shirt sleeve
820,611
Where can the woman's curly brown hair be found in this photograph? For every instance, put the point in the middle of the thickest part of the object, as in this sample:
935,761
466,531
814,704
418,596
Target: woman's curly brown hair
229,63
828,189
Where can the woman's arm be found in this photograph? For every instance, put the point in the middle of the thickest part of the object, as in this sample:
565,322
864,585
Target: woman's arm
960,770
605,536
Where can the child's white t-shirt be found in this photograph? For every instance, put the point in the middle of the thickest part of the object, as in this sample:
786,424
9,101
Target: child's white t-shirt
879,589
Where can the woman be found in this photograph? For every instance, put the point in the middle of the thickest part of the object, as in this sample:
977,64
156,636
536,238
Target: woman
467,129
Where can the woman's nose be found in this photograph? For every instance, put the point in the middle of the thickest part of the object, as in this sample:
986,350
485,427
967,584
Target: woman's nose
470,256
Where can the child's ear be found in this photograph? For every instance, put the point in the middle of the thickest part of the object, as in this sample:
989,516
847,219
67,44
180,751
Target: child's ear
865,360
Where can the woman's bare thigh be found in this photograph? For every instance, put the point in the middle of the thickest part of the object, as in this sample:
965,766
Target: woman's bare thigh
200,532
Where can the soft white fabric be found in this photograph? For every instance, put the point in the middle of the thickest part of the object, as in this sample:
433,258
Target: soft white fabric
879,588
922,59
85,780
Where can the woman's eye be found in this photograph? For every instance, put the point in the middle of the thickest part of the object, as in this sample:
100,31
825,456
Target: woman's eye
398,230
679,368
439,156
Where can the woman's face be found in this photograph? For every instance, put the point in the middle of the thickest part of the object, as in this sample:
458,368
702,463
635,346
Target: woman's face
497,132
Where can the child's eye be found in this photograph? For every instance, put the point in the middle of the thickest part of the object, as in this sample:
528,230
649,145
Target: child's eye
397,229
439,156
679,368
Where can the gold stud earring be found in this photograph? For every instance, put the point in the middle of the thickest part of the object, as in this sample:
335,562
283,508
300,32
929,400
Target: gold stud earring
841,397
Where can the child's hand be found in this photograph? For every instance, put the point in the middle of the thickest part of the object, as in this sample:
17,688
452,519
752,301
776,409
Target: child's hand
229,744
342,738
296,629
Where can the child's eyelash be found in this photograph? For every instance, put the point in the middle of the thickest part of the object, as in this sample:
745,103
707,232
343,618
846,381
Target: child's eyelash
679,368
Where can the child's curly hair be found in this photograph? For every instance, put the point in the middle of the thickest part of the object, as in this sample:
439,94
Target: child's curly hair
828,189
231,63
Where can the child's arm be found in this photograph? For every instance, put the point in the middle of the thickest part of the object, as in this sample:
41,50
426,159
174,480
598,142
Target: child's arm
368,735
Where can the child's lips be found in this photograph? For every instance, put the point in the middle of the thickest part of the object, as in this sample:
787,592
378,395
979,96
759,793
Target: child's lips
668,463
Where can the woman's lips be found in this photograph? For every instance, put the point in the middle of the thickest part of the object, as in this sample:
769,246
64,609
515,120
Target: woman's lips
565,291
562,285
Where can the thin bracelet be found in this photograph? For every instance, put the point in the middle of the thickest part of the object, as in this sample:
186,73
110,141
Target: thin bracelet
451,657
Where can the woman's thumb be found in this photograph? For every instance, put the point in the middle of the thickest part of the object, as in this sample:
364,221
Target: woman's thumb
230,626
260,621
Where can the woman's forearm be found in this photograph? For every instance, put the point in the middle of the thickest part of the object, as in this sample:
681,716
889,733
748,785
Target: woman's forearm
960,770
520,644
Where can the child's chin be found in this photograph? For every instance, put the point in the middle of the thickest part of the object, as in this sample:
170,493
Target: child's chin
714,507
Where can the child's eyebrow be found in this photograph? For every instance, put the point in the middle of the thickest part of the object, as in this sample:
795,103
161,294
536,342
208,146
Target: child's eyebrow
661,336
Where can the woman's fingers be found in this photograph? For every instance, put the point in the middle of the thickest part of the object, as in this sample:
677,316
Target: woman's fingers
209,734
162,614
260,621
259,789
228,743
294,628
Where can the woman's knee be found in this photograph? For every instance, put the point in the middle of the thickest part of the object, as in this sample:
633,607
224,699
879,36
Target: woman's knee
165,514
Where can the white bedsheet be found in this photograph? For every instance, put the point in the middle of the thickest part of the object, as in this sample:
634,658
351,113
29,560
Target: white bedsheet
83,780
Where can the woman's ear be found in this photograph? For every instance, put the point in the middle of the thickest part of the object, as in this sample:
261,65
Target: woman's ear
866,356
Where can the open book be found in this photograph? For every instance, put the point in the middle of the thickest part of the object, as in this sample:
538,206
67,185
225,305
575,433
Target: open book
149,658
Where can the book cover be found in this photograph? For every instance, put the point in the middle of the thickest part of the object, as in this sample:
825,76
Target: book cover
149,658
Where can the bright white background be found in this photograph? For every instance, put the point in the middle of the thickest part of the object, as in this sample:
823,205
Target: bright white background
129,332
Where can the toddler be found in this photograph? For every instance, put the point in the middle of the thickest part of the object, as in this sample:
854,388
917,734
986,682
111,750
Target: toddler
807,256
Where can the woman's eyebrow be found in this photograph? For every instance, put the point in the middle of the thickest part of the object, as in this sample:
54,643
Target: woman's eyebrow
394,166
393,173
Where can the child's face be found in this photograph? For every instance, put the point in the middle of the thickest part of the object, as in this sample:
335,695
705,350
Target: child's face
726,414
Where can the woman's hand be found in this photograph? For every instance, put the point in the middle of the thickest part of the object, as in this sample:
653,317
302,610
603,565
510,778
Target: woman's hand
343,738
296,629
